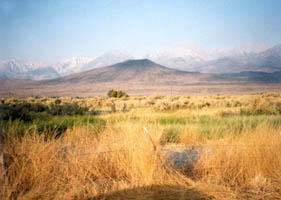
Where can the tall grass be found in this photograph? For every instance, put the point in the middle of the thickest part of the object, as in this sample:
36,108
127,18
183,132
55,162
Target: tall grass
81,166
251,164
122,164
240,138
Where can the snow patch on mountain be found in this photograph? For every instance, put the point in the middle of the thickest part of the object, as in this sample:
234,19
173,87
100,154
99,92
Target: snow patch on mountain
72,65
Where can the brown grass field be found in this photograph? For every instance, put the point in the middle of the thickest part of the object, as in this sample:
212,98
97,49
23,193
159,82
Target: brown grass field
110,156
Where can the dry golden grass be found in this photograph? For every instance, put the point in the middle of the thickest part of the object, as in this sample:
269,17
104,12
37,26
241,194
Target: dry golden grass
253,161
81,166
122,163
76,167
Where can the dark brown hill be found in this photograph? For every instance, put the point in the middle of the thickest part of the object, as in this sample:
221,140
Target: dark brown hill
136,71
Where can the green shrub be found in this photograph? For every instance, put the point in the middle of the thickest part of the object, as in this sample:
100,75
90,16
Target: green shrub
67,109
117,94
29,111
51,128
21,111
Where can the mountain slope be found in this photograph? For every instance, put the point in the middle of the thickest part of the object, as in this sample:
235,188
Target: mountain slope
107,59
44,73
72,65
251,77
16,69
26,70
244,58
141,71
147,72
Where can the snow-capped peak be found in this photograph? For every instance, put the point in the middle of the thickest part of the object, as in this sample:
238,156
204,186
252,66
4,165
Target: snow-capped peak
72,65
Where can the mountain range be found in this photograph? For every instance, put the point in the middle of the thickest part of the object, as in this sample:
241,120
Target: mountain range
249,57
143,77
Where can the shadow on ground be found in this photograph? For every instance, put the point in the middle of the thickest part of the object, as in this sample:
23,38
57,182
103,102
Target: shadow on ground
154,192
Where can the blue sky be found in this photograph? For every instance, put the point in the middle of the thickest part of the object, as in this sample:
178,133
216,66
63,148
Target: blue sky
52,30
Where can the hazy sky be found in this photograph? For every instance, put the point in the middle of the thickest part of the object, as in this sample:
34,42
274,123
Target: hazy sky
51,30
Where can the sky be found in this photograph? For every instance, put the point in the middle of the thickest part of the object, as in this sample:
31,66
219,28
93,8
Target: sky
52,30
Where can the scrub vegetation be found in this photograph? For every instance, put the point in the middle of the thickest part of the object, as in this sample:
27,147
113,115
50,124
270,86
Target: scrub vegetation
108,147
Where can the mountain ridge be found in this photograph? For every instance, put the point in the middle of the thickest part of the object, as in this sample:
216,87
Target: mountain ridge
145,77
231,61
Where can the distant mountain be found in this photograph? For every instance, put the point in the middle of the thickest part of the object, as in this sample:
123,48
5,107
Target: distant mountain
43,70
137,71
193,58
44,73
248,57
72,65
26,70
147,72
143,77
244,58
187,63
12,69
107,59
81,64
270,58
266,61
183,58
244,49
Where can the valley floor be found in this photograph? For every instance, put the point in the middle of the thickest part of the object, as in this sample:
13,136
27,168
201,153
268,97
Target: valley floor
25,88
